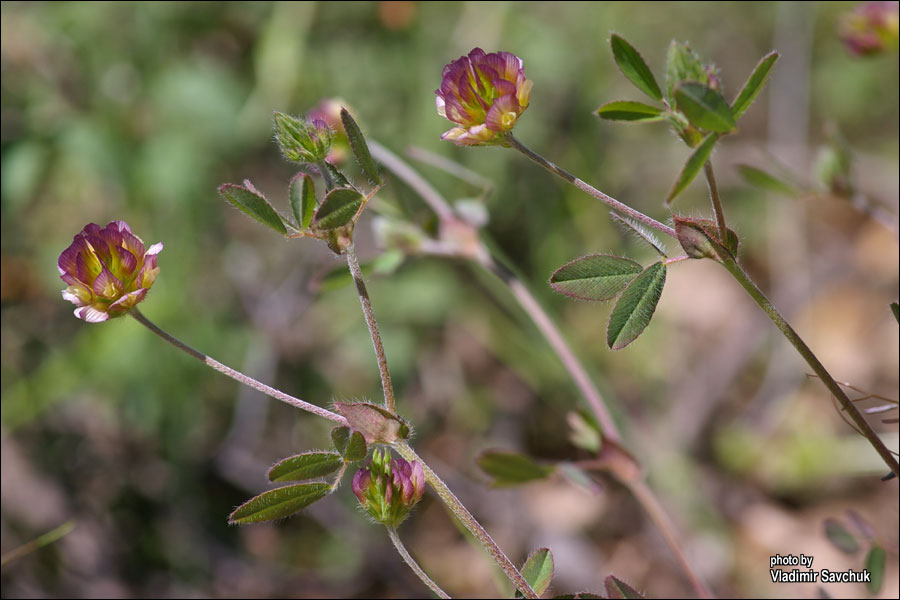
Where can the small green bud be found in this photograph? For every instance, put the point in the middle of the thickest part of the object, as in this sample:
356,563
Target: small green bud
303,140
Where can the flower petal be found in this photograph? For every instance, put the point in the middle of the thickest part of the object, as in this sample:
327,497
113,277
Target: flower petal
91,314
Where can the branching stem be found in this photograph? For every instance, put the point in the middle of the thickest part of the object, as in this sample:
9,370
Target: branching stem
589,189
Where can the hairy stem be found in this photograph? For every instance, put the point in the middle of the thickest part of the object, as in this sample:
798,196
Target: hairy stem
236,375
864,428
468,521
716,202
398,544
386,385
654,509
589,189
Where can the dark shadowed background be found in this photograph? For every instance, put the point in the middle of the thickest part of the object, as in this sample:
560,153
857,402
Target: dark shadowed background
139,111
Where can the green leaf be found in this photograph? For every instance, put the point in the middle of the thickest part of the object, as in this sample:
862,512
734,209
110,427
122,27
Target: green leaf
340,436
704,107
633,66
359,146
875,560
337,209
248,199
278,503
693,165
356,448
616,588
635,306
511,468
641,231
766,181
338,179
753,85
594,277
895,308
623,110
308,465
839,537
303,199
538,570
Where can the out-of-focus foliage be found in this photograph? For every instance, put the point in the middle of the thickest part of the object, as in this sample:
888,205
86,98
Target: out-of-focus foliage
139,111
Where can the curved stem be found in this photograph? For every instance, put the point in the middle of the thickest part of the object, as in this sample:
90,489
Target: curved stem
865,429
398,544
236,375
589,189
654,509
366,302
468,521
557,342
716,202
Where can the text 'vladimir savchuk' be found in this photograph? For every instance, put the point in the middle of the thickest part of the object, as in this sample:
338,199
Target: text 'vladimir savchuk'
806,574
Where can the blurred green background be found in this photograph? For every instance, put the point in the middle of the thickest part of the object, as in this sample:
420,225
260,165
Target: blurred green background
138,111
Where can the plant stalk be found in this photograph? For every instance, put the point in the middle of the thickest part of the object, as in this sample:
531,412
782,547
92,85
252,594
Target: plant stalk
366,302
849,407
398,544
654,509
557,342
237,375
468,521
611,202
641,491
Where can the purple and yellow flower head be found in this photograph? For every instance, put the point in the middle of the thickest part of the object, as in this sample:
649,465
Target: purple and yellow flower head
388,489
484,94
871,28
108,271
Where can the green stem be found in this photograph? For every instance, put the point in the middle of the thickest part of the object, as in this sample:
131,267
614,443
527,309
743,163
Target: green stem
366,302
468,521
589,189
716,202
864,428
236,375
398,544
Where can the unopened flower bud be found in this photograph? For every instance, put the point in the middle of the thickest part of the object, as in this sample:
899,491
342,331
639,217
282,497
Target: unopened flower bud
303,140
388,489
108,271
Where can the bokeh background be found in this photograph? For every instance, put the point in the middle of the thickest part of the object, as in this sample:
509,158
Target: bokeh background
138,111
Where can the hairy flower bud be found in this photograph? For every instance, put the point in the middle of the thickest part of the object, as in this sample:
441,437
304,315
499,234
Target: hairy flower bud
303,140
108,271
484,94
389,489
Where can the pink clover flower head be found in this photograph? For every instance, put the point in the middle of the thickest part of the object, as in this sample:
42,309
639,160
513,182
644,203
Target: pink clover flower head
483,94
108,271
